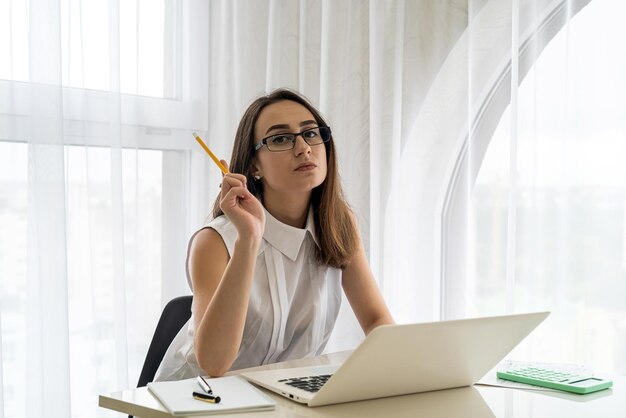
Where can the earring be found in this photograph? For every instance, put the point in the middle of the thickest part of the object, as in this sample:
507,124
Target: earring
256,178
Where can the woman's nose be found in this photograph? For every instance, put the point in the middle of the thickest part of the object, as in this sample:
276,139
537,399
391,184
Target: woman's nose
301,146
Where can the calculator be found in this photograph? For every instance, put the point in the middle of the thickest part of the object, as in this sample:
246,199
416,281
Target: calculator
555,379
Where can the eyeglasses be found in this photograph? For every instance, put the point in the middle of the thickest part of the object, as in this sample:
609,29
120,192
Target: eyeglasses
285,142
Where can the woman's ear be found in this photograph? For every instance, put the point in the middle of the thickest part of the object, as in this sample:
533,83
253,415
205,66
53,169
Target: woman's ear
254,171
256,175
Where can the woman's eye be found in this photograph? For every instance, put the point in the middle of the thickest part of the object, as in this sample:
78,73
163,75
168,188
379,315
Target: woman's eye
280,139
311,134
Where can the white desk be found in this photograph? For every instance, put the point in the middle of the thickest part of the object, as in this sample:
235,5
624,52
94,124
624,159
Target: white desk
476,401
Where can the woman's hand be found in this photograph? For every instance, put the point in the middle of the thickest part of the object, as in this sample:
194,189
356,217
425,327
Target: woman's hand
243,209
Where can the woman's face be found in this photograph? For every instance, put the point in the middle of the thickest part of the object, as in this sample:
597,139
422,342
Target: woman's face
296,170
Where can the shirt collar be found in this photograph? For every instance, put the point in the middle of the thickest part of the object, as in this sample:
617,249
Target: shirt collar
286,238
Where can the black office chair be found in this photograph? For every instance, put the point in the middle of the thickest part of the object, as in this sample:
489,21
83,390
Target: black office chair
175,314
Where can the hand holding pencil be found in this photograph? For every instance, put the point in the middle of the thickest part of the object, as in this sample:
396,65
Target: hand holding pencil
243,209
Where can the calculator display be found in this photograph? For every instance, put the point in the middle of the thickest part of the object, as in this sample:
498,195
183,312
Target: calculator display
586,382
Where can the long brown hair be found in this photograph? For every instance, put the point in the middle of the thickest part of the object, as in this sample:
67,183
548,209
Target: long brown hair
333,218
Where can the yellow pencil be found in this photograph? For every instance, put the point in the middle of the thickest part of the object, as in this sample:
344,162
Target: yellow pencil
208,151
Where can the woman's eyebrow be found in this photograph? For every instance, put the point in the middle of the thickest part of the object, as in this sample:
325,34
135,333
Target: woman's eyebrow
284,126
274,127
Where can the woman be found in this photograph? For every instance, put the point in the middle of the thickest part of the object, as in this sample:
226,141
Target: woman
267,271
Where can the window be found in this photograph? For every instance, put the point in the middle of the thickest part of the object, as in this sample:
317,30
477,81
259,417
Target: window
128,174
570,197
91,260
146,36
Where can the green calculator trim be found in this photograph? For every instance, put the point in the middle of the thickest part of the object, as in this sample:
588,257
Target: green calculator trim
554,379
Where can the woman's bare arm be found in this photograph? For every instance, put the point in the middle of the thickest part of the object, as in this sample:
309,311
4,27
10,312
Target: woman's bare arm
221,285
221,292
363,294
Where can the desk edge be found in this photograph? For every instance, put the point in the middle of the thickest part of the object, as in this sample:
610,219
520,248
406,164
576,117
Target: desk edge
130,408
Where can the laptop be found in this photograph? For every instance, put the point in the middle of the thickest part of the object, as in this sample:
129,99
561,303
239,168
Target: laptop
409,358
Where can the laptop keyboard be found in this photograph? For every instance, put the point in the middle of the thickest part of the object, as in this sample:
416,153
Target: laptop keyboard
308,383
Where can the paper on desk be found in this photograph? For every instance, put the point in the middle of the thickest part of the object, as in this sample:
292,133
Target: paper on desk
237,396
491,379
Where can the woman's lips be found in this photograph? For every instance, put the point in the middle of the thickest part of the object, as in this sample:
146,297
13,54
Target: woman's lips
306,167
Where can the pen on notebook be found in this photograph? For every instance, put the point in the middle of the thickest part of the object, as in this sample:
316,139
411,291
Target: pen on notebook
208,151
204,385
206,398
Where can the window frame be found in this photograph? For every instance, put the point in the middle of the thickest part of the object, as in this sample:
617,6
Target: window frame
146,122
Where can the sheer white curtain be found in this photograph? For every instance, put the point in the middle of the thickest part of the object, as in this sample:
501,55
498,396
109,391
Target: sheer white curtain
101,183
531,212
97,100
565,183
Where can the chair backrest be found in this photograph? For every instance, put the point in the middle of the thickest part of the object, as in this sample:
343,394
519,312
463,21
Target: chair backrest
175,314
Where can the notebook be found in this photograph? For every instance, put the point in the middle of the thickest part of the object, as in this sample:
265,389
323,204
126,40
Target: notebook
402,359
236,395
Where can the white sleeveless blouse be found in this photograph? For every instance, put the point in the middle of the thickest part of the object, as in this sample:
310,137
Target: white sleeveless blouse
293,306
